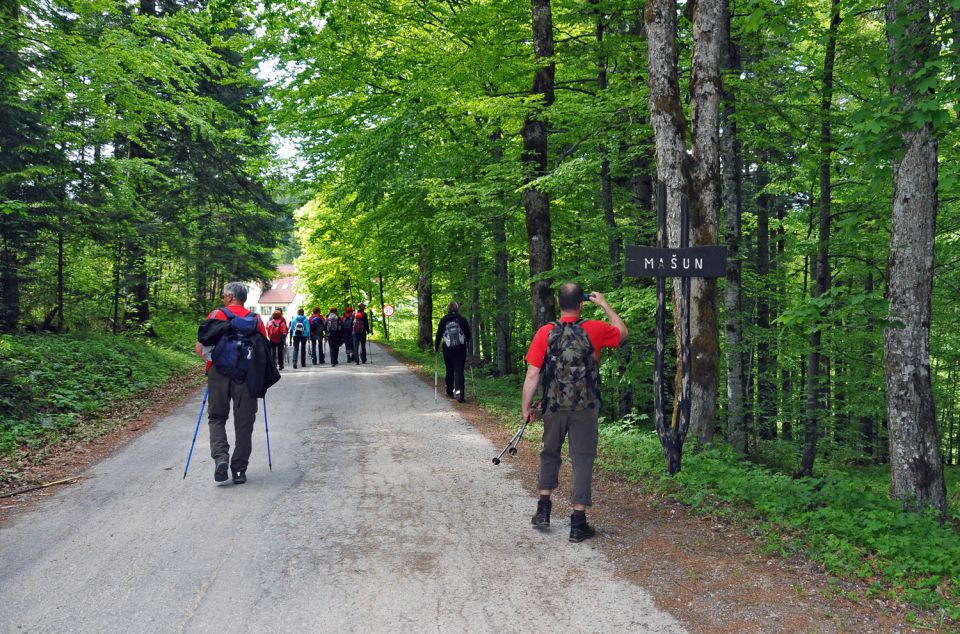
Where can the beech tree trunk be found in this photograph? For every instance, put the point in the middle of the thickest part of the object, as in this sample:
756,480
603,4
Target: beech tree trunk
703,172
915,460
606,181
766,391
501,295
815,371
501,284
733,207
705,93
425,329
475,300
536,202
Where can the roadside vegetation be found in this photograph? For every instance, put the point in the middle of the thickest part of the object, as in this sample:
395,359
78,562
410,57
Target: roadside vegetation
57,387
843,518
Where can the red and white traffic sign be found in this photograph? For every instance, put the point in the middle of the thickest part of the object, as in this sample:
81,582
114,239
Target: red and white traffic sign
388,310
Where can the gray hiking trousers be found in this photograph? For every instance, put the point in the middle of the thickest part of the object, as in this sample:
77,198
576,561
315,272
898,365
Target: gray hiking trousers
223,392
582,427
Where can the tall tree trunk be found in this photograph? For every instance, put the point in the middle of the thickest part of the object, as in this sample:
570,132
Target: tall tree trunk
11,141
425,330
786,383
815,370
501,284
386,331
915,460
606,182
501,295
705,93
867,423
536,202
766,393
60,264
733,206
475,301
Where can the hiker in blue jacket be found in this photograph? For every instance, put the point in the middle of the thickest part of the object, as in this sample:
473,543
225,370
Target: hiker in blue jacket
300,332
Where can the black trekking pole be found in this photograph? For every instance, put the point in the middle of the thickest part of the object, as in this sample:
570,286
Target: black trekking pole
266,426
196,431
436,395
513,444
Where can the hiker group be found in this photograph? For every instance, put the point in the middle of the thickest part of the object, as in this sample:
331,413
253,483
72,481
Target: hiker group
320,335
563,373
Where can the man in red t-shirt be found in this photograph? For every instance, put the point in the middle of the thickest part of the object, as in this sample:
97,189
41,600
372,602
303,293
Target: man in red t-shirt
223,391
571,408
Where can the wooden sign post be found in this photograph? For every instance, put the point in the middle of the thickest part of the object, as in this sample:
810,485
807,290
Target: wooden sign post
685,262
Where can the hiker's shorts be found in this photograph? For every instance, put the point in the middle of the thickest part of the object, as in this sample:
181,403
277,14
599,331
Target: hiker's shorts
583,431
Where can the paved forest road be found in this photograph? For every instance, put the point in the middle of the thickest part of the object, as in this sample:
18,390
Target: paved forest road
383,513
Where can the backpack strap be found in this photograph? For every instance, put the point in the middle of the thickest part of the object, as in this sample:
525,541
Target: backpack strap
227,313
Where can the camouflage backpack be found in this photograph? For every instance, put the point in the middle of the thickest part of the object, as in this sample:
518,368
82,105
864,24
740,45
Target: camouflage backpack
571,378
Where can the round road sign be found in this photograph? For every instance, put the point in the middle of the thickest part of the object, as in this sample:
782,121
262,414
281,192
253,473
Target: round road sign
388,310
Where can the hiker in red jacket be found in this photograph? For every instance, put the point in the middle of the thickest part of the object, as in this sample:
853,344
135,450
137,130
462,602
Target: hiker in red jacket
277,335
564,360
224,391
361,328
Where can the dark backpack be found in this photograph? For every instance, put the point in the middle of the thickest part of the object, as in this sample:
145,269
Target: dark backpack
333,323
233,354
359,323
453,334
571,378
300,328
316,326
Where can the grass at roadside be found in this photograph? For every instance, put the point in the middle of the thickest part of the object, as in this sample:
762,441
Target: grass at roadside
842,519
52,385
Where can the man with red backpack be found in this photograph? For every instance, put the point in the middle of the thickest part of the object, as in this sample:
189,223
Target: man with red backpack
361,328
316,335
277,335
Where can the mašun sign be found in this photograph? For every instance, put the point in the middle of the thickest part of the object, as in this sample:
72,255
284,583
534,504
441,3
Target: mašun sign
704,261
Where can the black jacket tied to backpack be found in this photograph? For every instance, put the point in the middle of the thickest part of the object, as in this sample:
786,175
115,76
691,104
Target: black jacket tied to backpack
257,370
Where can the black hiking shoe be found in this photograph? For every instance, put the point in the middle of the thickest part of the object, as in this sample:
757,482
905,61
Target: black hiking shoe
220,475
239,477
541,519
579,529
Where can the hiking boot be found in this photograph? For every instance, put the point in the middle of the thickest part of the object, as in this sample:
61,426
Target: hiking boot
461,399
579,529
239,477
220,475
541,519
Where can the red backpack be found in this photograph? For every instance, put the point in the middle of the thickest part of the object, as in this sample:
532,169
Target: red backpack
275,331
359,320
